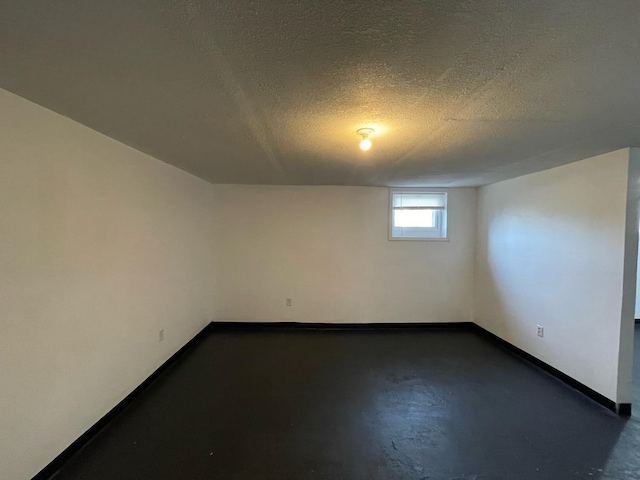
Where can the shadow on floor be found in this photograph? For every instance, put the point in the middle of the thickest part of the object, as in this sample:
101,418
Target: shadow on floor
436,405
624,461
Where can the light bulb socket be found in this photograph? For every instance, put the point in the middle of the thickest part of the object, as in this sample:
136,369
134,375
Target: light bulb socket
364,132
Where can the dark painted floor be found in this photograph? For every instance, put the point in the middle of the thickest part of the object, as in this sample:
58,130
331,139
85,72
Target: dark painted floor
335,405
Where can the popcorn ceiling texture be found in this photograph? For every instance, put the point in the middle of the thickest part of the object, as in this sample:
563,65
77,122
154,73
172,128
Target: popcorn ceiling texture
461,93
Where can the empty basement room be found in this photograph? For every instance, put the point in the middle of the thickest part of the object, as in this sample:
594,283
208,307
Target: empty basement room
247,240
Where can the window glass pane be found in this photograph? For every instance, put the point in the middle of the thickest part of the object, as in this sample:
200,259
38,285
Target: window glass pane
414,218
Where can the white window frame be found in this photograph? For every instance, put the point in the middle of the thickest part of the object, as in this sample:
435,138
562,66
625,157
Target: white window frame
441,218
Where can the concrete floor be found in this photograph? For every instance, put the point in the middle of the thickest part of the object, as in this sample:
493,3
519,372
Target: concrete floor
334,405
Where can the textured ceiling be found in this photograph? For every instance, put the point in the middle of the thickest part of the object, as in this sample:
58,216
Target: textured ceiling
458,92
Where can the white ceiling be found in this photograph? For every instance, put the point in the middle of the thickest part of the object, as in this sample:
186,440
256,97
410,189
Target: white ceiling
460,93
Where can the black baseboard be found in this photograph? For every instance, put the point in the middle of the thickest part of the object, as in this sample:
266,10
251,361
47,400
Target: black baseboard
623,409
56,464
339,326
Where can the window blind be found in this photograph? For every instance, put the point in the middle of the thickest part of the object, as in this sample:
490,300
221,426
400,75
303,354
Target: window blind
419,201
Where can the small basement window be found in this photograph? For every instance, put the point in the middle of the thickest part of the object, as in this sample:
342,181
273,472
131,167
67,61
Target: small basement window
417,214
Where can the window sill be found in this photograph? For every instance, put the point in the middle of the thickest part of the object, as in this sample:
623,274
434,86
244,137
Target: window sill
418,239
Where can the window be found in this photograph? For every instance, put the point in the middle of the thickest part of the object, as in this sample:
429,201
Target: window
418,214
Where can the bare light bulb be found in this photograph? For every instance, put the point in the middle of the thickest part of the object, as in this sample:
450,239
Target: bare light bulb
365,144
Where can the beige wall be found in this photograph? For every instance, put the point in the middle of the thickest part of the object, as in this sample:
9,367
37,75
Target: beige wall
100,247
327,248
551,251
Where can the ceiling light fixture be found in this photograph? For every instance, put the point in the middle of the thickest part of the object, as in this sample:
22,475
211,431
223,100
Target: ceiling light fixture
365,143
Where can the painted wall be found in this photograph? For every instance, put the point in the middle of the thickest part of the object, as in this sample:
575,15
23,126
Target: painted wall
327,249
637,309
551,251
100,247
630,272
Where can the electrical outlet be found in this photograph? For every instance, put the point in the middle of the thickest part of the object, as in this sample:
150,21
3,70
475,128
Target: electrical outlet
540,331
161,335
289,302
